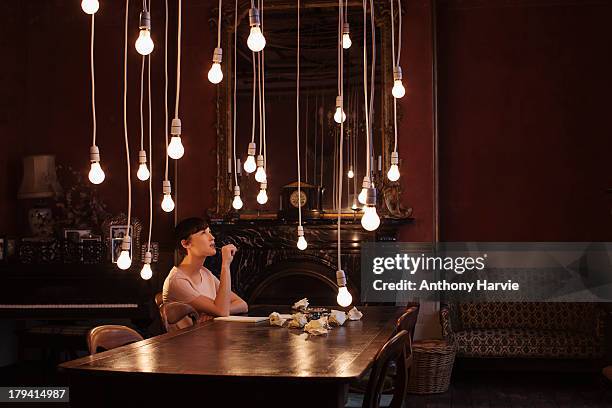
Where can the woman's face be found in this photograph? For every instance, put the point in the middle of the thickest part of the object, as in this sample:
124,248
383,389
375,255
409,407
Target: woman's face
200,244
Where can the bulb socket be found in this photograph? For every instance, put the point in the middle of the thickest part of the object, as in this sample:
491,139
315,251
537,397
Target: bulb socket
263,185
340,278
218,55
366,182
148,257
371,197
166,188
397,73
125,244
338,101
175,128
260,160
300,231
145,20
394,158
252,149
346,28
236,191
254,17
94,154
142,157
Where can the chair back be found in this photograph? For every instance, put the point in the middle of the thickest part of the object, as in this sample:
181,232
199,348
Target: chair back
393,351
110,336
408,320
177,315
159,299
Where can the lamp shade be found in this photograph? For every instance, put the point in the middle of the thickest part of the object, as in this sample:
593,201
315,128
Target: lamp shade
39,177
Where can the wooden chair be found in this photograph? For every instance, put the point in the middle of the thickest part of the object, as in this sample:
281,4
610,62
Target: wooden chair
177,315
407,321
393,351
111,336
159,299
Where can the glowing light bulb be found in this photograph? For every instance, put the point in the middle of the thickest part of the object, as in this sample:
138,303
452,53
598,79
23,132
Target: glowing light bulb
146,273
249,164
90,6
96,174
351,174
354,207
175,148
370,220
262,197
344,297
260,175
143,172
393,174
346,41
215,75
237,203
144,43
362,195
167,203
256,41
398,89
124,261
301,243
339,116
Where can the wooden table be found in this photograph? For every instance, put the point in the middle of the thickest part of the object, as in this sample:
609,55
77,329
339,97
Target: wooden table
234,365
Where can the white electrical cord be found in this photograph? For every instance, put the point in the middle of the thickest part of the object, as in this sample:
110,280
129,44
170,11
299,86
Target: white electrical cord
150,150
372,84
365,87
178,61
93,80
234,92
125,129
297,118
263,88
254,63
142,69
395,64
219,27
166,89
341,147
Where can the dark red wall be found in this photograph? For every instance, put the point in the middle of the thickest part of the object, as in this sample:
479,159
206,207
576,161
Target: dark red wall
524,120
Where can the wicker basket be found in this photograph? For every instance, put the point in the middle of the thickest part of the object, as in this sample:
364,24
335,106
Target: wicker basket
432,366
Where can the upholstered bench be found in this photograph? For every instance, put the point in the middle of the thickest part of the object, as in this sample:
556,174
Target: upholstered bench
519,330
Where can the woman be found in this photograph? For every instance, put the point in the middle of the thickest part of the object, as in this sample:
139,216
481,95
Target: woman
190,282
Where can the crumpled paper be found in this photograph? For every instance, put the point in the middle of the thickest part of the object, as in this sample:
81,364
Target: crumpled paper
337,317
297,321
301,304
354,314
276,320
317,327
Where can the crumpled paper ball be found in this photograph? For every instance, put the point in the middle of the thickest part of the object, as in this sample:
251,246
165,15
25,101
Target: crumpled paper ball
317,327
301,304
337,317
276,320
354,314
298,320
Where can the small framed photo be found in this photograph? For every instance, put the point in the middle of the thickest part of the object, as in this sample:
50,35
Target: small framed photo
2,249
74,236
118,231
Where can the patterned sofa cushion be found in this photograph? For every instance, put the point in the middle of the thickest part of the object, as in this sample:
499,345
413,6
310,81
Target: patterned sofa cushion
579,317
527,343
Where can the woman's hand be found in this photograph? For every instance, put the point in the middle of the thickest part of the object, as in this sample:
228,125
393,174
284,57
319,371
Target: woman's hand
227,254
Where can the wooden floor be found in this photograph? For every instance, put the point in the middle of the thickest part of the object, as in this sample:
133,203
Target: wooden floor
469,389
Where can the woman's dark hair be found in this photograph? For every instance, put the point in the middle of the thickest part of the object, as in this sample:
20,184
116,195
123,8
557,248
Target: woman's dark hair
185,229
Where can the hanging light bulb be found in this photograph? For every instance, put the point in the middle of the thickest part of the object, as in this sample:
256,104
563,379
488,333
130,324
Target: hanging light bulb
262,197
237,203
260,174
175,148
249,164
90,6
370,220
346,37
96,174
398,88
393,174
344,297
256,41
146,273
350,173
354,207
301,242
143,172
167,203
364,190
124,261
215,75
339,115
144,43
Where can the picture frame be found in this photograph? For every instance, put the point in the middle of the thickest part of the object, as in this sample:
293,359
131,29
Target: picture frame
114,227
75,236
116,234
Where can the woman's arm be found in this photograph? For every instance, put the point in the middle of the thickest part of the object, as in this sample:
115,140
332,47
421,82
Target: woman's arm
238,305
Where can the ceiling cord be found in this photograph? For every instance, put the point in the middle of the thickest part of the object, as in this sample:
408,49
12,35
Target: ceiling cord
297,118
125,129
93,80
234,92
